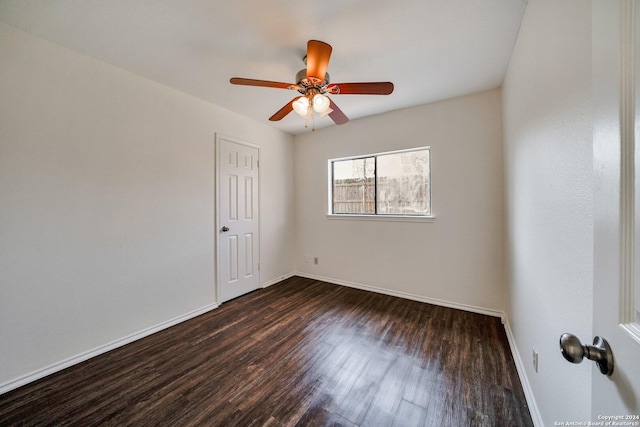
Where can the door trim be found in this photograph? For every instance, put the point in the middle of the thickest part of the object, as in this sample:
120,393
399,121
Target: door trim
218,138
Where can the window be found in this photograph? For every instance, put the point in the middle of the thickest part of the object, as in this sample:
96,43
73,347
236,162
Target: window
386,184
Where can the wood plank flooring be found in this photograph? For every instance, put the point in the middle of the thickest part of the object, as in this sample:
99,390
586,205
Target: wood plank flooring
300,352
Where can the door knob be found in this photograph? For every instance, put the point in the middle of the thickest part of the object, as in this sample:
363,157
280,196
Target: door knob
225,229
600,352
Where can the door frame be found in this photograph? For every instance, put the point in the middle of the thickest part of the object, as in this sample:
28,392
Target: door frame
217,226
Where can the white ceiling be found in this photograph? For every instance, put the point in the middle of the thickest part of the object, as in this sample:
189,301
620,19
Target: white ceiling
430,49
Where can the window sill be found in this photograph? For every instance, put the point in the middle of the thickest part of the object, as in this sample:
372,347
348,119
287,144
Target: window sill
388,218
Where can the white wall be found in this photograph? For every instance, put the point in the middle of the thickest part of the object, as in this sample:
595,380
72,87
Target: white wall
457,258
107,203
549,198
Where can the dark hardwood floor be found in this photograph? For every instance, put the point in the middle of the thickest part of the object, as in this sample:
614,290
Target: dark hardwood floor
301,352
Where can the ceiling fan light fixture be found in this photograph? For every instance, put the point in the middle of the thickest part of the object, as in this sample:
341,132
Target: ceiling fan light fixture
301,105
312,83
320,103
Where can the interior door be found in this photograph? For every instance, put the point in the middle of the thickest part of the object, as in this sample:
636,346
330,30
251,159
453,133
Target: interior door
616,310
237,218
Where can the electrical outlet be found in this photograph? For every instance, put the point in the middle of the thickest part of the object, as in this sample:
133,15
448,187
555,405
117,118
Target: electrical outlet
315,260
535,360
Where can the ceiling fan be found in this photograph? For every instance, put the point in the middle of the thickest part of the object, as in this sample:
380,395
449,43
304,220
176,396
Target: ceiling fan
313,84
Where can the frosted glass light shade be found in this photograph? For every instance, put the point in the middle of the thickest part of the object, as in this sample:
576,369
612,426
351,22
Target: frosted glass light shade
301,105
320,103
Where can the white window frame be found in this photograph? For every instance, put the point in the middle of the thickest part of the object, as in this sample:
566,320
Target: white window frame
376,217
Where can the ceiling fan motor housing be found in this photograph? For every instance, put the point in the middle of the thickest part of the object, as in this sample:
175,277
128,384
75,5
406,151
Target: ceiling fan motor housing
311,83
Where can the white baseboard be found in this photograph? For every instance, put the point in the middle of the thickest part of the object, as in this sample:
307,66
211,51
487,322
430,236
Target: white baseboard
524,380
41,373
528,392
277,280
405,295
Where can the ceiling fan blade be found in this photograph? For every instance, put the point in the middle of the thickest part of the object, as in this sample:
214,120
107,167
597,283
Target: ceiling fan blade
281,113
374,88
263,83
337,115
318,54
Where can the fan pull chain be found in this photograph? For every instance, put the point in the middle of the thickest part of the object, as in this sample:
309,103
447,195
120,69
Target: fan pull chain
313,123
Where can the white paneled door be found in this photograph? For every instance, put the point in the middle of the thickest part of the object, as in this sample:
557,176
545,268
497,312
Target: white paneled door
616,312
237,218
